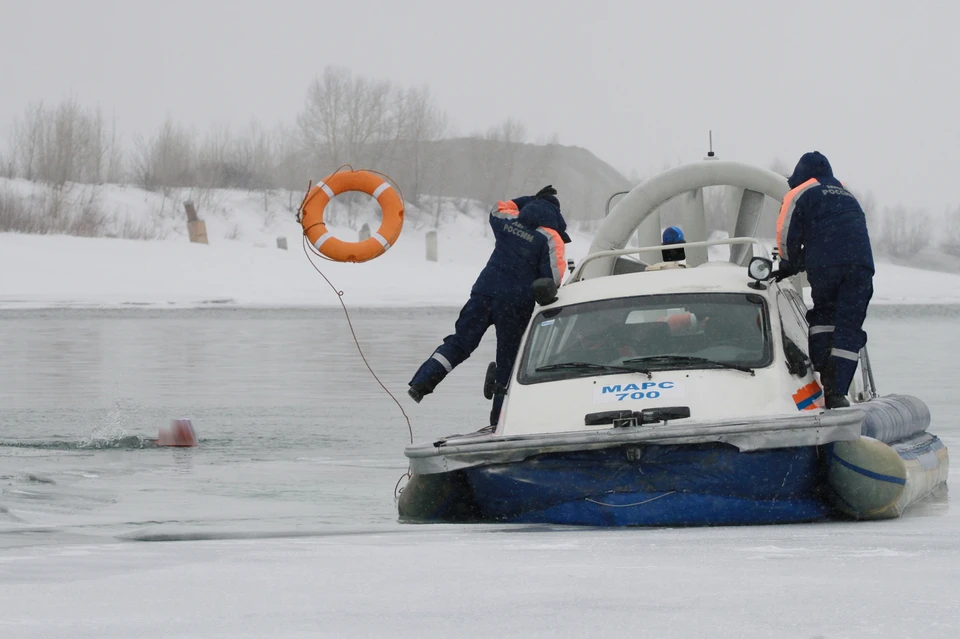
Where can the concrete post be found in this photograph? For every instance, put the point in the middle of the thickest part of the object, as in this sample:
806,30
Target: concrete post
282,243
365,232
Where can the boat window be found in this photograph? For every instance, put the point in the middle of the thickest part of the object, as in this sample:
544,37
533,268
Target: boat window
651,332
794,325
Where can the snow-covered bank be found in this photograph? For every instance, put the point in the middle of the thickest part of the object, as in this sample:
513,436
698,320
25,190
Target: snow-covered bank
53,271
38,271
242,265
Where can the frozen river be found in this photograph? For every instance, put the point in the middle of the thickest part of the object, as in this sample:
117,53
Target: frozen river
283,522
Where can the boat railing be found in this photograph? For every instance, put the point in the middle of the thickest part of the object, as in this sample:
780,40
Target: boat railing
659,247
866,370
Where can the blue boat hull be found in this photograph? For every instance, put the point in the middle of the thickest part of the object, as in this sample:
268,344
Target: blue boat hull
676,485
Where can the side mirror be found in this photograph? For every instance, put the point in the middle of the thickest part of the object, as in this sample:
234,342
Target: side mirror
760,269
544,291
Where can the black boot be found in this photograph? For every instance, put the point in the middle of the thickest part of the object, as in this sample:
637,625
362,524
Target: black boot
832,396
836,401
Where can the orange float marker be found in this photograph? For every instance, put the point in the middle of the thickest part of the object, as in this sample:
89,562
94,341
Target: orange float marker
179,433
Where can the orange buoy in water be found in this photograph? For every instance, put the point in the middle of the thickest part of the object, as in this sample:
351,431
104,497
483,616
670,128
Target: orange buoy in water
331,186
179,433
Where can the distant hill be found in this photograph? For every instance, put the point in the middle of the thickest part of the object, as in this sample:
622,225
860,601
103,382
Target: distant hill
489,170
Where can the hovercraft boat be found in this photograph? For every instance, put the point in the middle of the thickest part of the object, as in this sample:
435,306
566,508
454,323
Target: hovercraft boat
648,393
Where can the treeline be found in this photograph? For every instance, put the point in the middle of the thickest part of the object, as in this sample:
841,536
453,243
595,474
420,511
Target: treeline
902,231
374,124
345,119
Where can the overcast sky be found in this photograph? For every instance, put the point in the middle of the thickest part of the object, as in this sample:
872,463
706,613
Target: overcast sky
872,84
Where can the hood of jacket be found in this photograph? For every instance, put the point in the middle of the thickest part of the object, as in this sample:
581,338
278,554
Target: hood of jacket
543,213
811,165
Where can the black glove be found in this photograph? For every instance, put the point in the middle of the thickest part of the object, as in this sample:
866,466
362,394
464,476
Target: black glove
782,274
549,194
547,190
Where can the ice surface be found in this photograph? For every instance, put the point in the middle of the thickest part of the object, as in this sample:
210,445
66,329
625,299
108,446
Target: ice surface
838,580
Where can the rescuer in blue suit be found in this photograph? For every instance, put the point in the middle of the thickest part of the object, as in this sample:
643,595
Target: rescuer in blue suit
530,235
822,229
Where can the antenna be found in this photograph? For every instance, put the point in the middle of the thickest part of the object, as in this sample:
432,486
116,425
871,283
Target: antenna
710,153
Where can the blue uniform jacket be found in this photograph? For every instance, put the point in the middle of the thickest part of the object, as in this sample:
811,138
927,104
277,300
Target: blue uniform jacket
530,236
820,223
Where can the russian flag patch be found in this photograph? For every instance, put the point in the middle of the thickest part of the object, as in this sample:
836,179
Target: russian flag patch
806,398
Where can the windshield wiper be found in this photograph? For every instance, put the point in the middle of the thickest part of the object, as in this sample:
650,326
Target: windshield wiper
591,366
689,359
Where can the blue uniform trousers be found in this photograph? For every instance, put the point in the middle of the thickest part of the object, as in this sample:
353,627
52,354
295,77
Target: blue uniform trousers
476,316
841,295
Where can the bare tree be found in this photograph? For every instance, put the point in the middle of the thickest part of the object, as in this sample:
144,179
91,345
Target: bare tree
905,231
497,151
319,122
27,140
370,124
294,163
872,213
256,154
425,123
951,232
165,160
349,120
8,168
114,167
67,143
213,162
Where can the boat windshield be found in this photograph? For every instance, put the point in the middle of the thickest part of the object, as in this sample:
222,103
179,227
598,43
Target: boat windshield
651,332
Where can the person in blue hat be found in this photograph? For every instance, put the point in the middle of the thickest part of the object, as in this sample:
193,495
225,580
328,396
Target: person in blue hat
530,237
822,230
673,235
672,257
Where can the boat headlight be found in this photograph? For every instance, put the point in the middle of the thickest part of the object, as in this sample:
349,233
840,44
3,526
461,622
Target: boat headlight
760,269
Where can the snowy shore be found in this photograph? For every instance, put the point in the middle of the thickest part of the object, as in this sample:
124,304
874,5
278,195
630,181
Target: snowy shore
58,271
242,266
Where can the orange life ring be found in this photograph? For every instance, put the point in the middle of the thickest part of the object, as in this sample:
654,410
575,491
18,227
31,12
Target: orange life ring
371,184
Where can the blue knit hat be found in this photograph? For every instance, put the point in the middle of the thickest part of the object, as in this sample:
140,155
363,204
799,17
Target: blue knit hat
673,235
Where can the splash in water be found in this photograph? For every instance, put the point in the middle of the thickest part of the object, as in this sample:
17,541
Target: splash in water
112,431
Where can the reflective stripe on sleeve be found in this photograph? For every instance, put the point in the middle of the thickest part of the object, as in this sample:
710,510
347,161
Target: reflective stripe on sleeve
558,265
443,361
